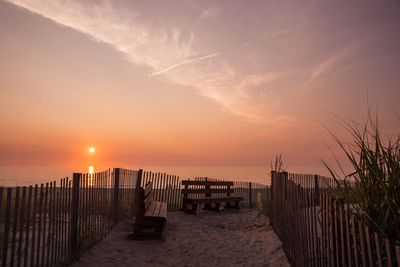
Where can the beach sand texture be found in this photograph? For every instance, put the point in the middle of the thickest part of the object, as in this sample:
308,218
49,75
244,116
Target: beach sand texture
227,238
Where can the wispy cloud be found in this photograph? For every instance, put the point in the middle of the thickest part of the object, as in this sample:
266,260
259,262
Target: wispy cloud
208,13
283,31
164,50
340,61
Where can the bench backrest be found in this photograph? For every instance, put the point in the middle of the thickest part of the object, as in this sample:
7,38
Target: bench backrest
207,187
144,199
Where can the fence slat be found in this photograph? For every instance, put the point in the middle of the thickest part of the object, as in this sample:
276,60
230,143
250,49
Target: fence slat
378,250
6,231
21,227
388,253
15,225
28,222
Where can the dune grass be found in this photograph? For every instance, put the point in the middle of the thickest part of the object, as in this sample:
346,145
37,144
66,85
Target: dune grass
373,187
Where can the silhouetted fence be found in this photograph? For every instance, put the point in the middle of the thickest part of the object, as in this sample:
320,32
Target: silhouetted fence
318,229
53,224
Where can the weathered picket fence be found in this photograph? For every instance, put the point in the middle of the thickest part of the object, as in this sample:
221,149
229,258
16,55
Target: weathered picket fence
318,229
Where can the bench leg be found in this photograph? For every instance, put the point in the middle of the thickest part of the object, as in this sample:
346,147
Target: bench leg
194,208
237,205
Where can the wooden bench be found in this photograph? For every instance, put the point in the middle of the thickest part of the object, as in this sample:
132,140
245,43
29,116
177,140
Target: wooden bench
151,215
204,192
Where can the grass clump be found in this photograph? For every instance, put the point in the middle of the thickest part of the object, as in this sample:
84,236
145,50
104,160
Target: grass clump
277,165
373,186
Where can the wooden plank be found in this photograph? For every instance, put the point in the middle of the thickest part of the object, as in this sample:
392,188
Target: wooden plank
39,232
51,223
368,243
54,235
63,211
207,191
348,240
211,183
362,244
148,200
309,220
28,224
157,210
388,253
212,199
378,250
95,204
342,234
353,233
67,227
73,238
157,185
45,226
116,204
169,189
6,230
21,227
163,210
178,193
165,191
35,206
57,233
151,209
2,202
148,188
15,225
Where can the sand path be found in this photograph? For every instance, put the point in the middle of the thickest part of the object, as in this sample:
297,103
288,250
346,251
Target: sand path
228,238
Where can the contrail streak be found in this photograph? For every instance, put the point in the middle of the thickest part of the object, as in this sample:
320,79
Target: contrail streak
183,63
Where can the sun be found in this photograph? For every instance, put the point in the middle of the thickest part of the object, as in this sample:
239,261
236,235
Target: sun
92,149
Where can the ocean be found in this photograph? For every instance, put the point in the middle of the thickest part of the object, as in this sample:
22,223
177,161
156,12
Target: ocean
30,175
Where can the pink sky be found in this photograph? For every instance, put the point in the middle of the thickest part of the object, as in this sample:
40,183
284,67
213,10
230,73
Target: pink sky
190,83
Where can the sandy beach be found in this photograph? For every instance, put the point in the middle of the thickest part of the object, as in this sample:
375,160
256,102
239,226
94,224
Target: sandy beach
227,238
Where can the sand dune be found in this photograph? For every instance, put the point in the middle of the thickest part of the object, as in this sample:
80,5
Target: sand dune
228,238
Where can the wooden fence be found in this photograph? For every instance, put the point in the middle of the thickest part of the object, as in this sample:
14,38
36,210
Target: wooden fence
319,229
53,224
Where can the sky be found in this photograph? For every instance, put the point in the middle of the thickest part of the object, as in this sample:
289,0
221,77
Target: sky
190,83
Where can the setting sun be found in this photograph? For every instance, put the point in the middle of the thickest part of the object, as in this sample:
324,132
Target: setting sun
92,150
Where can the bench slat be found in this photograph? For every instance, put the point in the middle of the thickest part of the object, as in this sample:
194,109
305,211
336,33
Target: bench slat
148,189
148,200
163,210
213,199
207,191
210,183
151,209
157,209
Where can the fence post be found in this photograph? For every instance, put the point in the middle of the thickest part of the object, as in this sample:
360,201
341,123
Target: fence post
285,180
334,235
316,188
272,184
207,206
73,241
116,196
250,204
137,190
